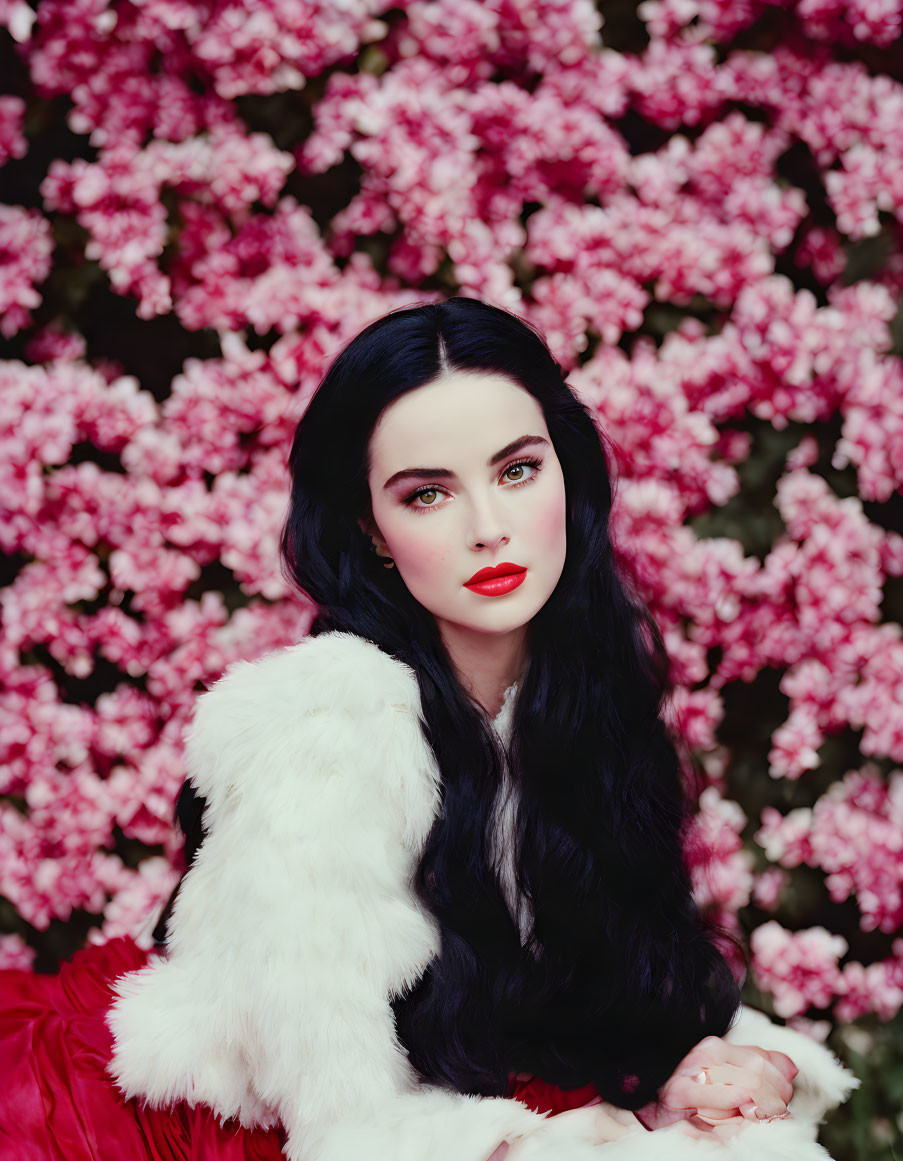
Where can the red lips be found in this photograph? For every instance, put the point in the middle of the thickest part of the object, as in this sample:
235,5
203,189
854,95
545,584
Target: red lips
503,569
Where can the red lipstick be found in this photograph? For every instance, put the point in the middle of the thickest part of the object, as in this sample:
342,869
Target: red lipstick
499,579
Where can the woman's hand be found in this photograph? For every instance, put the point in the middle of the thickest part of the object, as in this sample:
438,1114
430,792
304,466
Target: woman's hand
712,1090
719,1082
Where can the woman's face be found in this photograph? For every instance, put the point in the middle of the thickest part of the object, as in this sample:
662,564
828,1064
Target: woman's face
463,477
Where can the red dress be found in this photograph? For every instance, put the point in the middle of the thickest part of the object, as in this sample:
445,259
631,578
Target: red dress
57,1103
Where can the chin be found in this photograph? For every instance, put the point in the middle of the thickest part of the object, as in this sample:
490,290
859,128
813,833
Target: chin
501,630
507,622
489,626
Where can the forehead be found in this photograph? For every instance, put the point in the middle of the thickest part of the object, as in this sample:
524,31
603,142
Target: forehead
459,413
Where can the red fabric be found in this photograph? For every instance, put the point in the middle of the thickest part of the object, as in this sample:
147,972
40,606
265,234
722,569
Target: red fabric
542,1097
57,1103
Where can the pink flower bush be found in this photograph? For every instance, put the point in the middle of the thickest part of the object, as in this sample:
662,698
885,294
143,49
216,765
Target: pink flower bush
854,833
845,21
876,988
12,139
25,260
798,968
134,68
15,953
720,867
117,200
693,226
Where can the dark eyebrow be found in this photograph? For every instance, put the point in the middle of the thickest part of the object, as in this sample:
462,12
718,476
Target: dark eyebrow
444,474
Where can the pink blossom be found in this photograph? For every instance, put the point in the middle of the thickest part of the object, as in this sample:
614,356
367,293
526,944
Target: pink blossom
52,342
17,16
472,40
269,273
795,745
721,870
15,954
677,83
842,21
876,988
876,21
126,721
696,715
44,413
103,57
821,250
642,407
274,46
26,246
799,968
12,139
767,888
140,897
45,879
117,199
854,833
471,157
870,180
872,432
250,546
134,69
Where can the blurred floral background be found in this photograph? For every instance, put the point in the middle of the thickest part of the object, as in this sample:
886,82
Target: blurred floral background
698,202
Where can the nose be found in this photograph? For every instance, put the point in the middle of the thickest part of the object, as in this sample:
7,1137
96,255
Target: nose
491,542
487,529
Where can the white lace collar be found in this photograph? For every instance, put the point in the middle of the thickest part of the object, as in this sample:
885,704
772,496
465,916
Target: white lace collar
502,722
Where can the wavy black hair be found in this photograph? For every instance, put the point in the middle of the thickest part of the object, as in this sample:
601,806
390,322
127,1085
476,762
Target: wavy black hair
619,976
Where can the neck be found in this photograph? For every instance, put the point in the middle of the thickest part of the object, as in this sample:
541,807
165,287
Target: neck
486,664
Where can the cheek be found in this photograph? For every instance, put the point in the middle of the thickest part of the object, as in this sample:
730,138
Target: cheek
417,544
549,523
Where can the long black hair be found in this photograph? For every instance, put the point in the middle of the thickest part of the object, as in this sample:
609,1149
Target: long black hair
619,976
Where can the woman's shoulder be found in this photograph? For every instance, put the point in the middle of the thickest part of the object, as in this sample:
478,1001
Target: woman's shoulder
335,672
328,702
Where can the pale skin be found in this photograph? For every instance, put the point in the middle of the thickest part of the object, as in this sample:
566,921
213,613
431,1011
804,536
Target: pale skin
483,514
489,488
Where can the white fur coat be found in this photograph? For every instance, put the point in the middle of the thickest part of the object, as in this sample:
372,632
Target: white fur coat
297,922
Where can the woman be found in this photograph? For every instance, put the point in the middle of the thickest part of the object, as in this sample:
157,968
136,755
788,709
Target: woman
440,890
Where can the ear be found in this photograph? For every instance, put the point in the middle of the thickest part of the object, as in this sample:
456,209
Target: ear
368,526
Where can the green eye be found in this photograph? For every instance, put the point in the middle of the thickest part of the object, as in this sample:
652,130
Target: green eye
427,490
